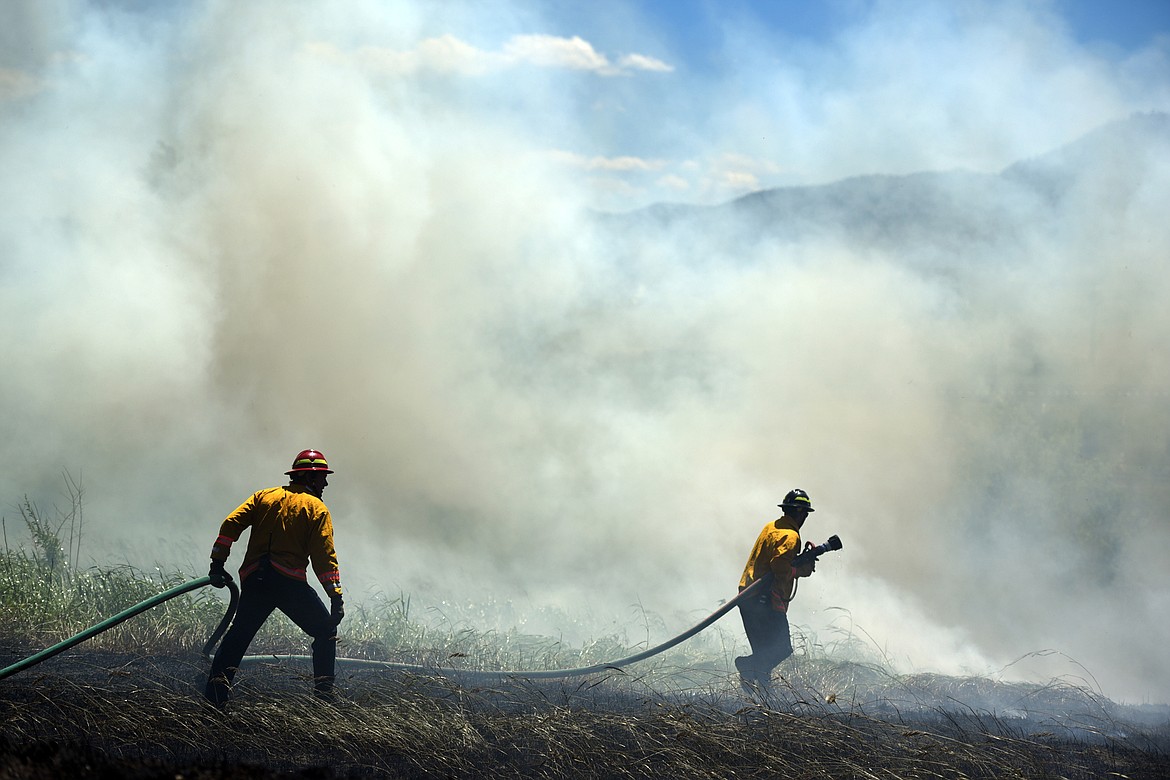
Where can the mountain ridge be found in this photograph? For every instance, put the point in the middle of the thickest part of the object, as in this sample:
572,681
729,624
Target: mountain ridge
892,211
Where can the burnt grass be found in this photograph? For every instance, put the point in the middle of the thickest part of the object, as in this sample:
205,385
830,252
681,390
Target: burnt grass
109,714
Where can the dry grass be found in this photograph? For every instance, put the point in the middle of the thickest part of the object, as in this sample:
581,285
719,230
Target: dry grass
144,714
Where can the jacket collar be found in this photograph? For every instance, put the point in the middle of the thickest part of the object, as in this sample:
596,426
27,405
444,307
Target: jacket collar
293,487
784,521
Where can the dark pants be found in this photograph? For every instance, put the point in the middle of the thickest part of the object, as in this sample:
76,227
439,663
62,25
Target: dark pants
260,593
768,634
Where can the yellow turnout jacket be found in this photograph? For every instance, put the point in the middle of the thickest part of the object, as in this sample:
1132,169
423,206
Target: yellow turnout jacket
292,527
773,553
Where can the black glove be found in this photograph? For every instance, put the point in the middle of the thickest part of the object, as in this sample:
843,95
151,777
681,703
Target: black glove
218,574
336,609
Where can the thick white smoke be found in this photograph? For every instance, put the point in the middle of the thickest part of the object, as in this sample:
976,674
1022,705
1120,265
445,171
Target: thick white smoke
232,231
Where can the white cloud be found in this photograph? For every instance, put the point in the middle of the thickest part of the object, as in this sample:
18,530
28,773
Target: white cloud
623,164
739,180
710,180
443,54
743,162
731,174
674,182
17,83
450,54
550,51
642,62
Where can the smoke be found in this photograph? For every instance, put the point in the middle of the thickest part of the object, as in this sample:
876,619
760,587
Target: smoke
236,230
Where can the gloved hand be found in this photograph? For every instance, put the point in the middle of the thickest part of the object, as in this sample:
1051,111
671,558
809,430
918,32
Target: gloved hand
218,574
336,609
806,570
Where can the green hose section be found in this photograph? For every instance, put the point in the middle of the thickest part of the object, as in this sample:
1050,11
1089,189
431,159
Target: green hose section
139,608
542,674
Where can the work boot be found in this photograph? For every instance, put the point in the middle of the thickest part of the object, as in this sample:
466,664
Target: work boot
747,672
218,690
323,688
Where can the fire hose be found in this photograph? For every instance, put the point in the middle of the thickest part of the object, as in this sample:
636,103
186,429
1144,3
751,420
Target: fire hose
155,601
810,553
539,674
126,614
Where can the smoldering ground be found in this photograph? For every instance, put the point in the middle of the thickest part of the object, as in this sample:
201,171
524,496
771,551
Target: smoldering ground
233,232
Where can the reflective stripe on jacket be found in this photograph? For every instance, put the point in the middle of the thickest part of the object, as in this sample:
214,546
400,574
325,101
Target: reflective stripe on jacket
773,553
292,527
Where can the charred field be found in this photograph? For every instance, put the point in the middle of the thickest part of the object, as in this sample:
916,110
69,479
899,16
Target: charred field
123,714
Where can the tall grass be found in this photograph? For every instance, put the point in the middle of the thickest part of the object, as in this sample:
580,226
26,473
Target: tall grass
45,596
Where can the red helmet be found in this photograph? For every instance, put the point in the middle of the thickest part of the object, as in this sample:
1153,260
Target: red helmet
309,460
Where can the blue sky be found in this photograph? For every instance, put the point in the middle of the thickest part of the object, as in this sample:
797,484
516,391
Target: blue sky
692,25
1126,24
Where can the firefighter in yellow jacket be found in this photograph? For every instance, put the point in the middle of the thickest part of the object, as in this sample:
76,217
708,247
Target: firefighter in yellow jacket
291,527
765,618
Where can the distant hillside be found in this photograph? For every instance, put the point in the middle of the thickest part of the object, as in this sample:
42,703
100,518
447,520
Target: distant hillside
1116,149
946,211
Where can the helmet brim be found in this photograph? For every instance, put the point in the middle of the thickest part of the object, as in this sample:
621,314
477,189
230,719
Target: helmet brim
290,472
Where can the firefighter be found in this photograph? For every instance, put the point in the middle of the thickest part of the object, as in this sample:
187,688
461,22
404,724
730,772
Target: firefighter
291,527
765,618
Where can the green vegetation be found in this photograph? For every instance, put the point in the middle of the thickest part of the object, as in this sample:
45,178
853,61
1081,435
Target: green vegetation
45,597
